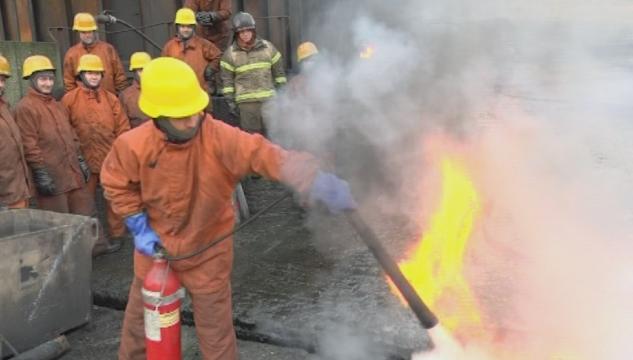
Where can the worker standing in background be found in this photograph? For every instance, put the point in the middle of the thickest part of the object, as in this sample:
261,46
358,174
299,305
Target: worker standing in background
199,53
251,70
213,19
114,79
129,96
51,148
307,54
173,180
98,119
14,175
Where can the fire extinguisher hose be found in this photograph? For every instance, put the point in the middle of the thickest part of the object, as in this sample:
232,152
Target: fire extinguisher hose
221,238
419,308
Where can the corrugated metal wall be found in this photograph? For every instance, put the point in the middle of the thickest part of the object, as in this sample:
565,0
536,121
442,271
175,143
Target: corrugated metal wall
280,21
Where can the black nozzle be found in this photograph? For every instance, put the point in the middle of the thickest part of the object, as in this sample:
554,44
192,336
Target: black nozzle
419,308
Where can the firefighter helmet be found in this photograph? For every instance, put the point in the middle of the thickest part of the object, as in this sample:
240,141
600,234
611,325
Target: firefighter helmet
171,88
35,63
90,62
5,67
243,21
305,50
84,22
138,60
185,16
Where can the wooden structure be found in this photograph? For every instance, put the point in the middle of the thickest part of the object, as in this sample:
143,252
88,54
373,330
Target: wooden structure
281,21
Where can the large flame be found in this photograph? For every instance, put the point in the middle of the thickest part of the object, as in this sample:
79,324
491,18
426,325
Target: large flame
435,267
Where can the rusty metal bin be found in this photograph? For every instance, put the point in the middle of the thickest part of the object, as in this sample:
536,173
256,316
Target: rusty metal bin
45,267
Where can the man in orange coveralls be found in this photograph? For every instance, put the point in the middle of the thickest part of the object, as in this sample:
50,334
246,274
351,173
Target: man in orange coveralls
98,118
213,20
199,53
172,179
114,78
59,170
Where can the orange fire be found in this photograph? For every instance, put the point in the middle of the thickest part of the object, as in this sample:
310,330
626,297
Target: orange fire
435,269
435,265
367,52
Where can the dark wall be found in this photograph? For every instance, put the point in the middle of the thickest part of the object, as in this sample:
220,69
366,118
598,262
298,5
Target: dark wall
281,21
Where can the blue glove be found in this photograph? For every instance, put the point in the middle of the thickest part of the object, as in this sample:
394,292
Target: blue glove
145,239
333,192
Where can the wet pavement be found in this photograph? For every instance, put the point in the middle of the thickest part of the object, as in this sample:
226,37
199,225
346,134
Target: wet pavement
300,280
100,340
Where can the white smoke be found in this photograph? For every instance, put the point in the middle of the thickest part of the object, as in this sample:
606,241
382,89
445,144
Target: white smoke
539,93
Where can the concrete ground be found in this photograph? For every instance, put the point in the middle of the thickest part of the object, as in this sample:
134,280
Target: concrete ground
100,340
301,281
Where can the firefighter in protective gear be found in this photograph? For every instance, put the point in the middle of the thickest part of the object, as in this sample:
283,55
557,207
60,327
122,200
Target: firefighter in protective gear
173,180
213,17
129,96
114,78
14,174
199,53
251,70
98,118
51,148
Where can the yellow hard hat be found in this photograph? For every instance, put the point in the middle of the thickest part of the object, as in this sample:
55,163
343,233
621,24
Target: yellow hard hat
138,60
305,50
34,64
90,62
84,22
5,67
185,16
170,88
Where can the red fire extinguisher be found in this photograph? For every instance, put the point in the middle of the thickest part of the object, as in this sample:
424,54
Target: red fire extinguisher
162,296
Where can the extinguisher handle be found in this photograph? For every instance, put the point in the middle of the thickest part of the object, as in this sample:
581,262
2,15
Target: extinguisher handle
159,251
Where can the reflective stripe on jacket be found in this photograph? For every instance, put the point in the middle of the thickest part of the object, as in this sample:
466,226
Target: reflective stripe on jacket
252,75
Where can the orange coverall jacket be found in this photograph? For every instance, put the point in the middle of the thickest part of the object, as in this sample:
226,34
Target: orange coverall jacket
129,101
114,78
186,191
98,118
197,52
218,33
14,175
49,140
